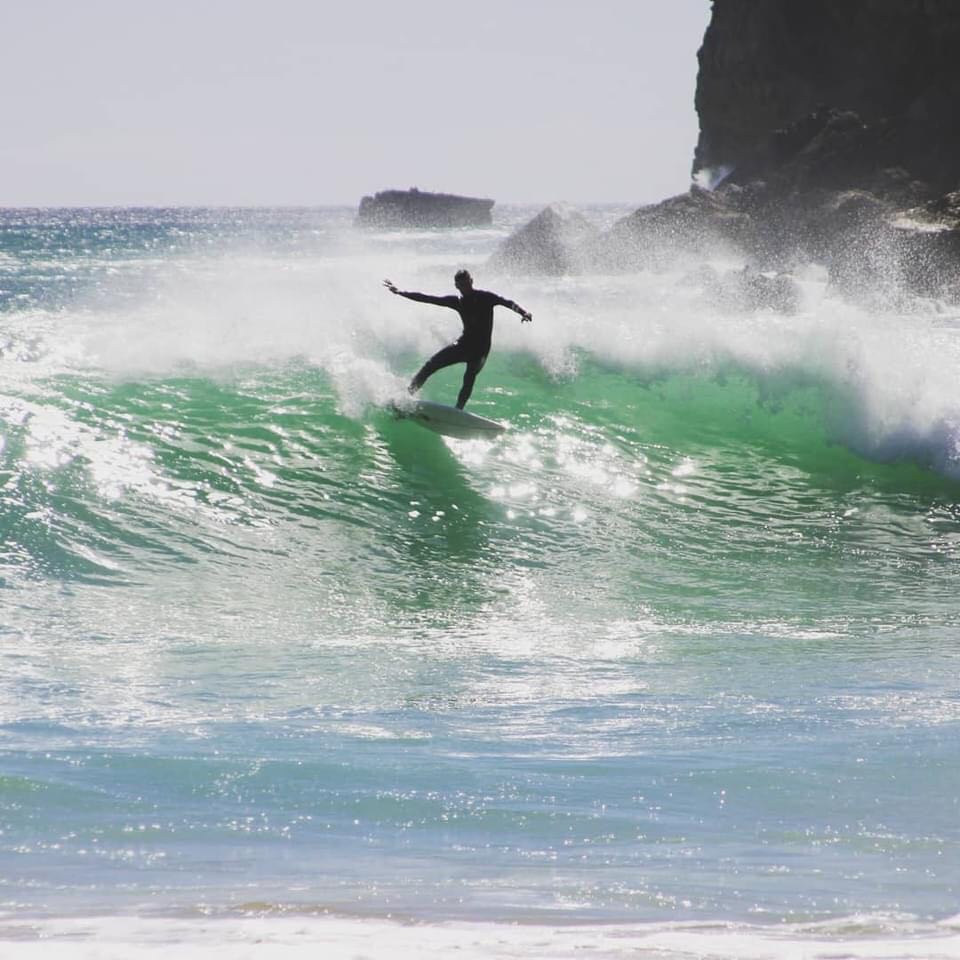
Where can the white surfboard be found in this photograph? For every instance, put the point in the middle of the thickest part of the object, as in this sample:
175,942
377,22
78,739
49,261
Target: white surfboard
448,421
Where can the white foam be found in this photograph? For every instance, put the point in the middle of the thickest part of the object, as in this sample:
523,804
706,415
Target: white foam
890,373
889,378
338,938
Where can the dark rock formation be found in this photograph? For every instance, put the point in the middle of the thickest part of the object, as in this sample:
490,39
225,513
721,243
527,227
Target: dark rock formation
833,133
764,66
416,208
840,121
829,132
695,224
551,244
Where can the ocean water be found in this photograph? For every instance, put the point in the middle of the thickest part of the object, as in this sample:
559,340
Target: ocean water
670,669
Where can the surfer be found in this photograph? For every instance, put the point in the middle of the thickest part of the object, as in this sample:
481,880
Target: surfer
476,312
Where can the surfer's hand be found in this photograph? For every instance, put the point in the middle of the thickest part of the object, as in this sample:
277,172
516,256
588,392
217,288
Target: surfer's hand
391,286
526,317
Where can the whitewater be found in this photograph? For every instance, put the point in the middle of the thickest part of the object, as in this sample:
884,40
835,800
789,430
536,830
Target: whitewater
668,670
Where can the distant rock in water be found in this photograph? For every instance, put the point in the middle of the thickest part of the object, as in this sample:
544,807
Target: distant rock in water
417,208
552,243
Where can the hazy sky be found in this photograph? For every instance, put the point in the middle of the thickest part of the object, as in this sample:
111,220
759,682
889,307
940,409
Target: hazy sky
298,102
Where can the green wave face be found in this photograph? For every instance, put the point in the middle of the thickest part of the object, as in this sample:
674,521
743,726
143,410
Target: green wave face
700,496
205,399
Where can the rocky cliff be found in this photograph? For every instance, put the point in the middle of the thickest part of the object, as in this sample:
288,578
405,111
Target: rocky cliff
829,133
894,63
834,129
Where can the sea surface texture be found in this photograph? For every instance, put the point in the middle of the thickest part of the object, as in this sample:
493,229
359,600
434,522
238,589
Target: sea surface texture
668,669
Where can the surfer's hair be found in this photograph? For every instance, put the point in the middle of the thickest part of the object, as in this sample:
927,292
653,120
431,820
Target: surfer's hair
462,275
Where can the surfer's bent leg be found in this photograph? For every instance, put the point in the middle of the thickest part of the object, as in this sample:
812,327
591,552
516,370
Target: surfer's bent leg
474,366
443,358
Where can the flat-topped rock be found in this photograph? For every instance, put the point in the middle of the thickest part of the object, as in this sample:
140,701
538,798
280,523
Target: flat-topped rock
419,208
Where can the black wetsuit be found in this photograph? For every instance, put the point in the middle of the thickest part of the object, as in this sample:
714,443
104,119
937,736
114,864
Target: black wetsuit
476,312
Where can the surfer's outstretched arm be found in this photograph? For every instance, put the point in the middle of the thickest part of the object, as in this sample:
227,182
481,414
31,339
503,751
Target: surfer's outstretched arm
525,315
422,297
